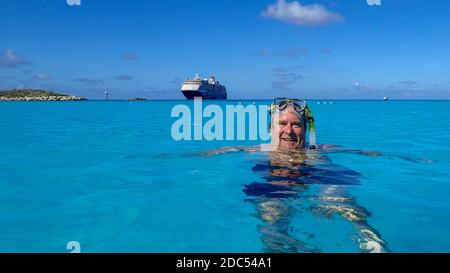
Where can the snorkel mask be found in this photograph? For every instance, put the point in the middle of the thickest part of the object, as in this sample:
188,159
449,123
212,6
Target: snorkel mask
301,109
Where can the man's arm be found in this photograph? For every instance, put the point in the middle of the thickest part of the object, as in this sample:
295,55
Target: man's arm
327,148
225,150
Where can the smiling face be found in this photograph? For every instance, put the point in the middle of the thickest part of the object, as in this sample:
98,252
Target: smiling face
291,131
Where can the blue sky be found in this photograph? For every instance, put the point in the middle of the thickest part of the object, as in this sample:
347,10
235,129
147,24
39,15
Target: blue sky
257,48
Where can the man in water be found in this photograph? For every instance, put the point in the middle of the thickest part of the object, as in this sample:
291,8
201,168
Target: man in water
294,165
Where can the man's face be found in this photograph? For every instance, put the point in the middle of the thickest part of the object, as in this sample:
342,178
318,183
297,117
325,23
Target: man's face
291,131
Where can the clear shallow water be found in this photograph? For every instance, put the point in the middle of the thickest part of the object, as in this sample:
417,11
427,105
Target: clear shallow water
109,175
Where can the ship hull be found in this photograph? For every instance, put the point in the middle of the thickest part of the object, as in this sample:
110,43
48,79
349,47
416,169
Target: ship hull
190,95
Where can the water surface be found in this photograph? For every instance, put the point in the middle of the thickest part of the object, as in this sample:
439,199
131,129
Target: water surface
110,176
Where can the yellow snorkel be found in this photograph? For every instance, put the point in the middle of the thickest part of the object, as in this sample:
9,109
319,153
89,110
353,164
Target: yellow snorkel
312,128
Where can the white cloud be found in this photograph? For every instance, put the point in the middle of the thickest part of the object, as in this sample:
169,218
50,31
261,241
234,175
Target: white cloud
73,2
9,59
305,15
88,80
361,87
284,78
408,82
43,76
124,78
294,53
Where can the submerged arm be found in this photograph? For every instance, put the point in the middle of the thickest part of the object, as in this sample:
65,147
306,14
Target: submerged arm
225,150
339,149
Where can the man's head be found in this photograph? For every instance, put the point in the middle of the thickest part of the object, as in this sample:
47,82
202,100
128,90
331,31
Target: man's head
292,128
289,116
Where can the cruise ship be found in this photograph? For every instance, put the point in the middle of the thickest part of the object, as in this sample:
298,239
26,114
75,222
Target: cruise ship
209,88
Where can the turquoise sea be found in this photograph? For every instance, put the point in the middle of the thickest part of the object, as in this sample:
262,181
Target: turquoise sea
108,175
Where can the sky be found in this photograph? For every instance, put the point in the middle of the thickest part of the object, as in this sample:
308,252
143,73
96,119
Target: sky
259,49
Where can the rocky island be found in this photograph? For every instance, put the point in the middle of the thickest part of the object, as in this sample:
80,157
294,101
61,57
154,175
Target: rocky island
35,95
